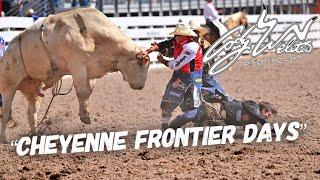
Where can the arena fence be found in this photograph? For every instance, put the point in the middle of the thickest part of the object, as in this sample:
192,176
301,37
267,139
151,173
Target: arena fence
145,30
118,8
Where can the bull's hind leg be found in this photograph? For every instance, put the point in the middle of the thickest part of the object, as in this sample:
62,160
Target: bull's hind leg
83,87
34,101
7,98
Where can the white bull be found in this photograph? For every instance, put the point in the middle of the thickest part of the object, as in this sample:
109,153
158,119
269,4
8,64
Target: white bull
82,43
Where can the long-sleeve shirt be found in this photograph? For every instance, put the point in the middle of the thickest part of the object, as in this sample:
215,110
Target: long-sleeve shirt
188,53
210,13
166,45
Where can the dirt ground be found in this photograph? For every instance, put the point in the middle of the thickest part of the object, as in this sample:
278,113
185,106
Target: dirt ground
292,86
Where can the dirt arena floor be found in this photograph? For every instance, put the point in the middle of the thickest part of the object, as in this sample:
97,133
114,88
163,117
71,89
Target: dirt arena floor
294,88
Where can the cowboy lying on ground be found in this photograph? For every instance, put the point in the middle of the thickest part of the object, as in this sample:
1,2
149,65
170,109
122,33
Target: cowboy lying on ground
239,113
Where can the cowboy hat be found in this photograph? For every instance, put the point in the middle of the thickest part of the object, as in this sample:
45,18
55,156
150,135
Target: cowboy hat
195,26
183,30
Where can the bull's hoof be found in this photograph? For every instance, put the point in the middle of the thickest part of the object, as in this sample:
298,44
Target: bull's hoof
85,119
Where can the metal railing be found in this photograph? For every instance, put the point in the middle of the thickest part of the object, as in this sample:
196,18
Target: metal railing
41,8
121,8
195,7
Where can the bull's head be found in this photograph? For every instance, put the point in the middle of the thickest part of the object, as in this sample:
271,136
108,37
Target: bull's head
134,70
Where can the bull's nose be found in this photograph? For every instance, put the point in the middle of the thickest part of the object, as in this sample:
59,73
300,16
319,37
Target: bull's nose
139,88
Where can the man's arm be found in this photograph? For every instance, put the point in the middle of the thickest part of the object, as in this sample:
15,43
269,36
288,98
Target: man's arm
162,46
166,44
188,54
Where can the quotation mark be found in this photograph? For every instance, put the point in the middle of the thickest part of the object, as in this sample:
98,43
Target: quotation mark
303,126
14,142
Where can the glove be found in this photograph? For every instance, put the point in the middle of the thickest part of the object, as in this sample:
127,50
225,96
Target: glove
160,59
154,47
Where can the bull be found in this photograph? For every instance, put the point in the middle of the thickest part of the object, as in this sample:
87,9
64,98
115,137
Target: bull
82,43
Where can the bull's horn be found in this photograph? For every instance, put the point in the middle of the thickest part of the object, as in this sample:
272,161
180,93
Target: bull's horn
146,59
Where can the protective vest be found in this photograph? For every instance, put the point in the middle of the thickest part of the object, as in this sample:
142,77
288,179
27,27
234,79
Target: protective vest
193,65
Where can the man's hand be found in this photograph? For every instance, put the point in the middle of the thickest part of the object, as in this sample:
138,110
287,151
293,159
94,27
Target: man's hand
143,53
160,59
154,47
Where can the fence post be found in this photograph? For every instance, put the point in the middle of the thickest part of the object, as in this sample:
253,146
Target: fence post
180,7
189,7
116,10
271,6
281,7
224,7
150,8
289,8
100,5
128,8
308,7
161,8
247,7
198,10
170,7
140,13
232,7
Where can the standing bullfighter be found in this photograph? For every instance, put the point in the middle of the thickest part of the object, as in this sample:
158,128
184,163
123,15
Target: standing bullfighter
186,81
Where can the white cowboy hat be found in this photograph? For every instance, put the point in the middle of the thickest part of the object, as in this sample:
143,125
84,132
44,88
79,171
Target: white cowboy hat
183,30
195,26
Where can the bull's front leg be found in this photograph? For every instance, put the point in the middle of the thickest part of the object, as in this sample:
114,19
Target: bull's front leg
83,88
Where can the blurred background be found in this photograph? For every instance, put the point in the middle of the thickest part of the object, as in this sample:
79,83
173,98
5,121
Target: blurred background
126,8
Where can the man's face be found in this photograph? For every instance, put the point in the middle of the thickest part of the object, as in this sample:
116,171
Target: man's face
178,37
266,113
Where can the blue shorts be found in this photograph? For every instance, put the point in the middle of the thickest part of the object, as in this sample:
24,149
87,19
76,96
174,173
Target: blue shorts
184,89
